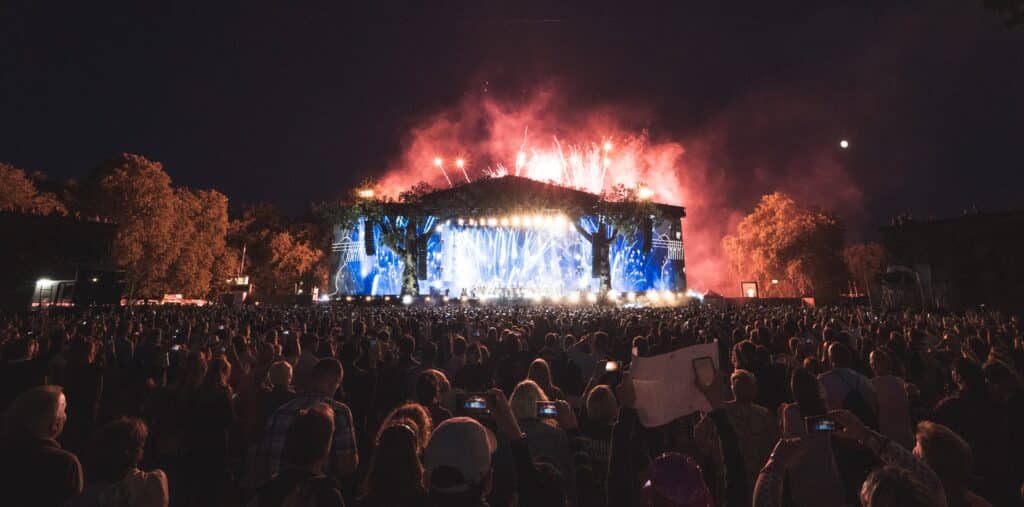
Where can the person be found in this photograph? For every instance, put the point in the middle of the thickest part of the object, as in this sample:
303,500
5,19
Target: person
595,443
752,427
983,423
428,394
815,479
23,369
903,480
540,372
845,388
210,418
326,378
415,415
37,471
457,460
306,454
893,401
303,371
951,459
395,475
546,441
116,480
280,378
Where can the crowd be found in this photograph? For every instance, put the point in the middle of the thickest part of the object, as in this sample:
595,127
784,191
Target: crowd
531,406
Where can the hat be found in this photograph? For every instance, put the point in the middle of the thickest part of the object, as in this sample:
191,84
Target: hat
678,479
458,455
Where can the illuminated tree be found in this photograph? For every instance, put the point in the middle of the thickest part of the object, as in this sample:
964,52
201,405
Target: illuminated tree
19,193
202,218
279,253
798,246
865,262
136,194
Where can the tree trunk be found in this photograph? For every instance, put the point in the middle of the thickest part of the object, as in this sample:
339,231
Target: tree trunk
410,284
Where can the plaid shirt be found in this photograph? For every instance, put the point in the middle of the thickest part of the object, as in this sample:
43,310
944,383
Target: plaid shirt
277,429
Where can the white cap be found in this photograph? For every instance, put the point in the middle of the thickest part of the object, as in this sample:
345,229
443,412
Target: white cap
461,444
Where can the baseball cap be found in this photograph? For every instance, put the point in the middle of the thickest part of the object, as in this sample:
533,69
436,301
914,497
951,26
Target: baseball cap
458,455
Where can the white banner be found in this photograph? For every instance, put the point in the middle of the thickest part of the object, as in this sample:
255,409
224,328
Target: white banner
665,387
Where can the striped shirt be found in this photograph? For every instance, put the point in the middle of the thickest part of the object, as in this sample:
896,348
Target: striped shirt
344,442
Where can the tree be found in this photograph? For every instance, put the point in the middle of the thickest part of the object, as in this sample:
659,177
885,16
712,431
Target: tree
279,252
136,194
19,193
798,246
202,217
864,262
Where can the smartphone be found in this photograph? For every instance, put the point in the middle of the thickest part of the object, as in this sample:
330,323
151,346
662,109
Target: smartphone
286,332
547,410
704,370
223,350
820,423
220,327
610,366
175,347
474,404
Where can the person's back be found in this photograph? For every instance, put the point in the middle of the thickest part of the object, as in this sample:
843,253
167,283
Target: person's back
814,479
302,482
36,470
893,409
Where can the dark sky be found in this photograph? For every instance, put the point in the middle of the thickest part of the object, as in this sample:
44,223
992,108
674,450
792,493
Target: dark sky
291,102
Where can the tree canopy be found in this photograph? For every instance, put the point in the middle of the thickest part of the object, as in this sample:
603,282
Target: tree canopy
19,193
798,246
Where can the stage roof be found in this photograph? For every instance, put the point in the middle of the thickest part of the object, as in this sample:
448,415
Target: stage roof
514,193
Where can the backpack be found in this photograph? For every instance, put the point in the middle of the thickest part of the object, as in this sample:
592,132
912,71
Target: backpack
857,405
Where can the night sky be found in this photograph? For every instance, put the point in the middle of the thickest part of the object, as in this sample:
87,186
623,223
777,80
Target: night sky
288,103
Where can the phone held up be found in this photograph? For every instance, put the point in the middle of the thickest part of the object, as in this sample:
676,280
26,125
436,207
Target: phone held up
475,405
820,423
547,410
704,371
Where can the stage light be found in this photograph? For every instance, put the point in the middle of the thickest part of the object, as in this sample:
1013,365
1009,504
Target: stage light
694,294
527,221
460,163
349,298
462,221
844,144
574,297
653,296
504,221
538,220
463,299
516,221
407,299
368,299
607,146
44,282
387,298
492,221
520,159
645,193
444,299
438,161
94,279
439,227
613,294
775,282
472,223
427,299
366,193
591,297
631,296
